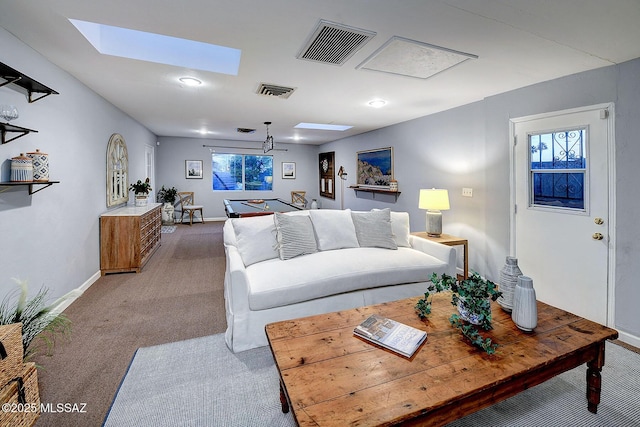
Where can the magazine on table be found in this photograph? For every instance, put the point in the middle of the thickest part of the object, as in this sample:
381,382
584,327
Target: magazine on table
395,336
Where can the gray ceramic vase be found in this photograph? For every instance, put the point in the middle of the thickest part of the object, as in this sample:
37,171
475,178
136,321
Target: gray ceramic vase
508,280
525,309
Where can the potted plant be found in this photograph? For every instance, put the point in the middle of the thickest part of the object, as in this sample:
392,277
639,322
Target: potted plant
472,297
141,190
38,319
168,196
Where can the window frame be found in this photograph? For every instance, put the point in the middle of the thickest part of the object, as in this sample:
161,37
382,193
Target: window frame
243,173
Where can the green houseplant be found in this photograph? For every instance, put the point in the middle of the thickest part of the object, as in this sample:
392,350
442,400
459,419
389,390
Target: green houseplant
472,297
141,187
167,195
37,318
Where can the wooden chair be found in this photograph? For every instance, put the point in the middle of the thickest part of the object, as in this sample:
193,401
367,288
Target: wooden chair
187,206
298,198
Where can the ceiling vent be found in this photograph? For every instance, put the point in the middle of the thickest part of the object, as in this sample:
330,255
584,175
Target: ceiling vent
245,130
333,43
268,89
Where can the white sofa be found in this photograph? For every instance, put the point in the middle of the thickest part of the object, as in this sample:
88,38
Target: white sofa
333,260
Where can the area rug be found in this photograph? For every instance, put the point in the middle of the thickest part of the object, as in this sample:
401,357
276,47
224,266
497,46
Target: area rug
199,382
168,229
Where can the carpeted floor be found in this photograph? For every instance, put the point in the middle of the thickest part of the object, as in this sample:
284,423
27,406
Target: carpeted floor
177,296
200,383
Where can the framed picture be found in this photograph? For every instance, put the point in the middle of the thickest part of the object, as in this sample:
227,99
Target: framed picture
375,168
193,169
327,175
288,170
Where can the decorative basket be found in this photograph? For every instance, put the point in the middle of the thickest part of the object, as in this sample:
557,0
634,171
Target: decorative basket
21,393
11,352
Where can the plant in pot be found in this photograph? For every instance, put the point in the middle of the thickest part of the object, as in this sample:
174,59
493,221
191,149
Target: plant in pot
37,318
472,297
168,196
141,190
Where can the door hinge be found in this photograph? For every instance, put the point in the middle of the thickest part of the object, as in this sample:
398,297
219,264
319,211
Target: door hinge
515,209
515,140
604,114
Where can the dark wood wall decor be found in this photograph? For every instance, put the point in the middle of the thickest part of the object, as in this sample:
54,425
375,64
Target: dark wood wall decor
327,174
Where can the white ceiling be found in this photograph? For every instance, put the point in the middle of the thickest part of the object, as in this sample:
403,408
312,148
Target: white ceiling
518,43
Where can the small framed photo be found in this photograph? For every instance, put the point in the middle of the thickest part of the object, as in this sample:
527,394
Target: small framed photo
193,169
288,170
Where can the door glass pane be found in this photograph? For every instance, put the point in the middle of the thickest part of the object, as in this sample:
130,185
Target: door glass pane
558,169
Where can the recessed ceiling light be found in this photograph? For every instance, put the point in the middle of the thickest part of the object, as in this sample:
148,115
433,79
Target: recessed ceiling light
190,81
158,48
377,103
322,126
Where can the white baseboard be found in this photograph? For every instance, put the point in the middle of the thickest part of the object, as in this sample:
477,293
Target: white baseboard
79,291
629,339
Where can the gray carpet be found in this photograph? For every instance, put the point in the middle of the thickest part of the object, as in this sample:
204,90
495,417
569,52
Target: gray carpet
199,382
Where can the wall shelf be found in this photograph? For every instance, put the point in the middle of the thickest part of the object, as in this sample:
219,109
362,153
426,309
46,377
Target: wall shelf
375,191
46,184
6,128
32,86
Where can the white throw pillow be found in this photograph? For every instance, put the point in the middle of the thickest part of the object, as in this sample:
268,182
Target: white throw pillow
256,238
295,235
374,229
334,229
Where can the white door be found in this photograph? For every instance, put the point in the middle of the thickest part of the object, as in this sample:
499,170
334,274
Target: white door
560,222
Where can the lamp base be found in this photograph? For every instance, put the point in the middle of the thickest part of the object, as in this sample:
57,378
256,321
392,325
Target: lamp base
434,223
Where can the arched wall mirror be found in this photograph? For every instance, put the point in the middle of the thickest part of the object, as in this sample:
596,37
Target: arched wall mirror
117,171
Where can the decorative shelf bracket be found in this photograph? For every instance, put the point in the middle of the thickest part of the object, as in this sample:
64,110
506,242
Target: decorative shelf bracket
44,185
32,86
7,128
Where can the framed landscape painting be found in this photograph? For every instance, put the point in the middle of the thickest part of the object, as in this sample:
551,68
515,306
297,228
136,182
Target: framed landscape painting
288,170
375,168
193,169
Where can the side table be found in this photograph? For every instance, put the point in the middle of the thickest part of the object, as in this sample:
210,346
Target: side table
449,240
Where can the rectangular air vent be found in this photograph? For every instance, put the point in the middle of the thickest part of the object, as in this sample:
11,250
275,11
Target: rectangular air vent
245,130
268,89
333,43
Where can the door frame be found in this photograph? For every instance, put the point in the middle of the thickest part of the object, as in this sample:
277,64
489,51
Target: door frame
611,156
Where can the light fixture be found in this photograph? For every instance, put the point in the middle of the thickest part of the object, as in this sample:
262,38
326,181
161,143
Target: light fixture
434,200
190,81
322,126
267,145
343,177
377,103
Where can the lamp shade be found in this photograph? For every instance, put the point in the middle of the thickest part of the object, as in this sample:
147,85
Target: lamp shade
434,199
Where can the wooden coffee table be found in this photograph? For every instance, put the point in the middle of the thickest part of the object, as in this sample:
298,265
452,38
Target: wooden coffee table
329,377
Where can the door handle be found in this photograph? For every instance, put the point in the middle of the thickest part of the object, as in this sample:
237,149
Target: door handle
598,221
597,236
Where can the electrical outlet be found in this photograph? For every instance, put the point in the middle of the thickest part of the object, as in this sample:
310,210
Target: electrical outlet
467,192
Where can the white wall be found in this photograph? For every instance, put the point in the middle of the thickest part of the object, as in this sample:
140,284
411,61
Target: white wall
172,153
469,147
51,238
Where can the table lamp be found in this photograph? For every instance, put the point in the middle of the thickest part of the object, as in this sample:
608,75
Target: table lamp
434,200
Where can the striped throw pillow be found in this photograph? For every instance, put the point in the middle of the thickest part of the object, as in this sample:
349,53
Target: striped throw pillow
374,229
295,235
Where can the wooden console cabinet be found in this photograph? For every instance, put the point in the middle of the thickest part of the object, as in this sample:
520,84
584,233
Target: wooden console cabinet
128,237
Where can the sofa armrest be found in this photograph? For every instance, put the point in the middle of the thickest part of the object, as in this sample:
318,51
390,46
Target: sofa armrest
445,253
236,287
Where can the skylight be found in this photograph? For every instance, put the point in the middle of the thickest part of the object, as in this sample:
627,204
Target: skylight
133,44
322,126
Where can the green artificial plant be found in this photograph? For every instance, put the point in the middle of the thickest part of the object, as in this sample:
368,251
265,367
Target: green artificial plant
474,294
37,318
140,187
167,195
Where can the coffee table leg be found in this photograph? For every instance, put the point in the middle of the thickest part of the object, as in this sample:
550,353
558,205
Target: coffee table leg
283,399
594,380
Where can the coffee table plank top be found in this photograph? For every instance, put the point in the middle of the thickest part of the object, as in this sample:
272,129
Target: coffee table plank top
334,378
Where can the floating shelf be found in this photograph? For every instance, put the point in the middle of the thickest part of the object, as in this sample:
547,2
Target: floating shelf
376,191
6,128
30,184
32,86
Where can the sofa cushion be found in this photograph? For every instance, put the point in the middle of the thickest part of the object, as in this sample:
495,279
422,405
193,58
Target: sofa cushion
334,229
400,228
276,283
295,235
255,238
373,229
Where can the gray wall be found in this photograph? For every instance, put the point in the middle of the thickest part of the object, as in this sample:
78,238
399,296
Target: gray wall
172,153
469,147
51,238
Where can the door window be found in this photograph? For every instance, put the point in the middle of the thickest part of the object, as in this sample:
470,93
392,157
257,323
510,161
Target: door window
558,170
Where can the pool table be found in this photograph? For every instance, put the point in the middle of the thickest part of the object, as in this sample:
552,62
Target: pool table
239,208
